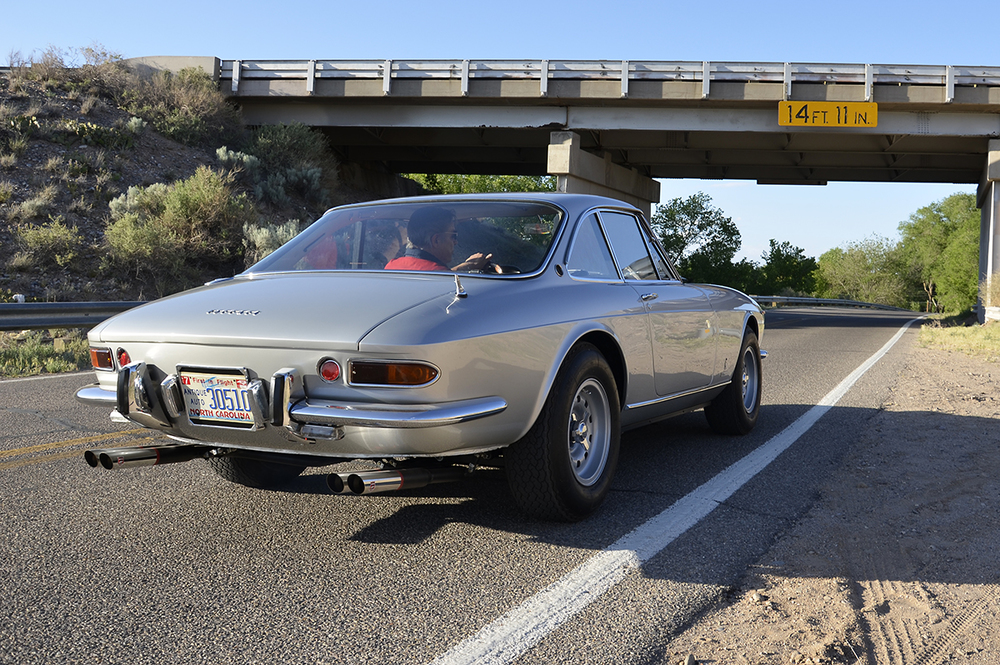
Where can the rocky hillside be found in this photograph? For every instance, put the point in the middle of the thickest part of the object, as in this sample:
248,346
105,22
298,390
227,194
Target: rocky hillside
70,146
64,155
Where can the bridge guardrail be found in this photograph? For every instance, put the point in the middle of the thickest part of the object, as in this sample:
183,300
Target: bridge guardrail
705,72
43,315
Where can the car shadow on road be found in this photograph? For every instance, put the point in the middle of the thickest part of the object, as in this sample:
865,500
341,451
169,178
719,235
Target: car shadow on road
662,463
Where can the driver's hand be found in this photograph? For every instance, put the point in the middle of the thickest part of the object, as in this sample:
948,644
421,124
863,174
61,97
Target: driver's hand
475,262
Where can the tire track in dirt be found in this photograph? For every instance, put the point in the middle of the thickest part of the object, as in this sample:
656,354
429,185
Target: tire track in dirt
939,650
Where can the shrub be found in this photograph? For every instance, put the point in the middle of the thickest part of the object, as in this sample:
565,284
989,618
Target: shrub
141,201
89,133
6,191
51,244
135,125
288,146
259,241
280,160
170,235
186,107
37,206
239,162
272,190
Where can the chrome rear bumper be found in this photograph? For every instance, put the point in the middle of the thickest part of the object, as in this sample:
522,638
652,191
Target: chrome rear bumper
159,404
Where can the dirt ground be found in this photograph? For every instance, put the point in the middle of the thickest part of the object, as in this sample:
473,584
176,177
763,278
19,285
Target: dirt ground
898,562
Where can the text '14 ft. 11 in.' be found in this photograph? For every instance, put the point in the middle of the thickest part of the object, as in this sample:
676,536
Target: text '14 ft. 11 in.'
828,114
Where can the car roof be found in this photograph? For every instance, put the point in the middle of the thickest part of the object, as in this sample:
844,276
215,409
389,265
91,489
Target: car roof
574,202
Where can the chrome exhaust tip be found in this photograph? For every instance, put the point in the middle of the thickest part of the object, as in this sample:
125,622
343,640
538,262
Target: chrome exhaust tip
390,480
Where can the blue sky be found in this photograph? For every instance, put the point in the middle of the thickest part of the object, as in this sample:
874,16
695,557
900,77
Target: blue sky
839,31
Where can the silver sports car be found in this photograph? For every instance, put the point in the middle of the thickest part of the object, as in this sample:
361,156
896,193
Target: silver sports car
371,336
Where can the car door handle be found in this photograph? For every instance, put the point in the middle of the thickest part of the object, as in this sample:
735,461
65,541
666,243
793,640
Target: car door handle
646,297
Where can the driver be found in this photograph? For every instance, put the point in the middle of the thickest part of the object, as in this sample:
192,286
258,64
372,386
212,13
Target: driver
431,243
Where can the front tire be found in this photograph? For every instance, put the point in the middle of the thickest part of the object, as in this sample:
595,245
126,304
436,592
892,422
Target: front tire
253,472
736,408
563,467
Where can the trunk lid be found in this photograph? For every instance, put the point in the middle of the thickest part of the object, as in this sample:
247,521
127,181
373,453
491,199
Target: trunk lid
295,310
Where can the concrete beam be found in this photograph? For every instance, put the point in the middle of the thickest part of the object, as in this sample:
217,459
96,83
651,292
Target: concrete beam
580,172
149,65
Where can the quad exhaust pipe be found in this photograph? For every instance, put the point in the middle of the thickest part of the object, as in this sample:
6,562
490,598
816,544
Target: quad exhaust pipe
122,458
390,480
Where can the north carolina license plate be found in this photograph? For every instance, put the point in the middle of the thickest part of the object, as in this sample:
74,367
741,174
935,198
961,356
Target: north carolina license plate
216,398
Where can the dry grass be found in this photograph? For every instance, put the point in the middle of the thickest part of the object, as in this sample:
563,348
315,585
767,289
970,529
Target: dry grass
980,341
990,289
37,206
43,352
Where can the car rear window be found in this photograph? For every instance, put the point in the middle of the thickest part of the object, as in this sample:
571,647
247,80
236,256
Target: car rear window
518,235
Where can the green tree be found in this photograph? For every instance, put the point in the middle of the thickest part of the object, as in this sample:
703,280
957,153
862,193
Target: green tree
786,270
941,242
694,232
871,270
478,183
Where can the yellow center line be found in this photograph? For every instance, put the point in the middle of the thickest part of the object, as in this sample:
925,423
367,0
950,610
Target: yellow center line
69,442
38,460
58,456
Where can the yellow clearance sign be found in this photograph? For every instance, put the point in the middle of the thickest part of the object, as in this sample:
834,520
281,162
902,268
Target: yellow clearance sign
828,114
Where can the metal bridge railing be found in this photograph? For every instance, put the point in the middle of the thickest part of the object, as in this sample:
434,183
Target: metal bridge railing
234,71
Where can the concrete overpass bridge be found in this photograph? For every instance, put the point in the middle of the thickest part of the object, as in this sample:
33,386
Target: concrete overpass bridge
614,127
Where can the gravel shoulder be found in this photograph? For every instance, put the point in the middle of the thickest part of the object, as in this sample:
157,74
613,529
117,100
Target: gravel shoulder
898,562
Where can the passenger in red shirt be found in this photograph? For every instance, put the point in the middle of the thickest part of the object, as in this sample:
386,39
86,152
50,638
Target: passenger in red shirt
432,240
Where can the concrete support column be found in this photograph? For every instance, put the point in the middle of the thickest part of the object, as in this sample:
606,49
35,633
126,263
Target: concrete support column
988,201
580,172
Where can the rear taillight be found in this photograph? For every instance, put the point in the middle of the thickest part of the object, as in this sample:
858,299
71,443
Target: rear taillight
365,373
101,359
330,370
123,358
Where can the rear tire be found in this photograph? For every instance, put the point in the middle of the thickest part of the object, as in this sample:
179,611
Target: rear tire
254,473
736,408
563,467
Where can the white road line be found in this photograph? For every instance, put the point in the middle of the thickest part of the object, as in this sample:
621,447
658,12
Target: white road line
506,638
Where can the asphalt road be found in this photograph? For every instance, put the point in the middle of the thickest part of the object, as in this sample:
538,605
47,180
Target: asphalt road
173,565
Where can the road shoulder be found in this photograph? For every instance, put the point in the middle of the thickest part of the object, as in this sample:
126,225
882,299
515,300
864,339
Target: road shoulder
897,561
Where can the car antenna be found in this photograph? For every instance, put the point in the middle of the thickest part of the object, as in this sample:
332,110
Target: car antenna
460,291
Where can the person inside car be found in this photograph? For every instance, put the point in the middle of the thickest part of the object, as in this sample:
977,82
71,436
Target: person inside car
431,243
382,246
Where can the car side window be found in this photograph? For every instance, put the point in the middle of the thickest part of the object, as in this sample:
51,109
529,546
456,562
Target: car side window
628,245
589,257
662,265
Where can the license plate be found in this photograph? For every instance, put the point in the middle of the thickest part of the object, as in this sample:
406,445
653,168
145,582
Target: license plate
216,398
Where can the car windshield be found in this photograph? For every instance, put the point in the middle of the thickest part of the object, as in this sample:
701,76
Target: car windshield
508,237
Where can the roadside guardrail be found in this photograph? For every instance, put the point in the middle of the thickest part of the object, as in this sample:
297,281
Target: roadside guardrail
776,301
44,315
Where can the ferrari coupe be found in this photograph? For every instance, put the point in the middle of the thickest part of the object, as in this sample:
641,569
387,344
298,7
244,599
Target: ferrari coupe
433,335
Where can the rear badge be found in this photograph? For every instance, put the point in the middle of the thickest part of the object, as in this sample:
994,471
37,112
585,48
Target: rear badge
235,312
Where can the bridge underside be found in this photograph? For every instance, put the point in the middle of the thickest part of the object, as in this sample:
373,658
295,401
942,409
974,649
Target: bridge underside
659,143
